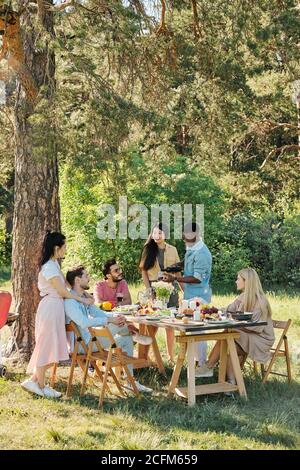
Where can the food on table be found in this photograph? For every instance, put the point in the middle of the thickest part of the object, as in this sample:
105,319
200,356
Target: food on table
188,311
146,311
107,306
209,312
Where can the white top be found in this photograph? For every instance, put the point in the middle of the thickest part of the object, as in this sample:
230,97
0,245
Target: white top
49,270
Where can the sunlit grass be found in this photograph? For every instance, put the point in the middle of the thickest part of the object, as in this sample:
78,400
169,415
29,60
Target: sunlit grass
268,420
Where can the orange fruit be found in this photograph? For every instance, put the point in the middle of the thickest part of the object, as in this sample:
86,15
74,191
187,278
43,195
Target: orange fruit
107,306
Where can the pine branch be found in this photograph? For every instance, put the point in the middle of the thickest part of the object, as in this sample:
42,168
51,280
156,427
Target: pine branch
271,125
162,27
280,151
197,30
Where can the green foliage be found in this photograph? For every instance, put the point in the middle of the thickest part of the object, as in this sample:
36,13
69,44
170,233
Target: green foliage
5,245
268,243
228,260
169,184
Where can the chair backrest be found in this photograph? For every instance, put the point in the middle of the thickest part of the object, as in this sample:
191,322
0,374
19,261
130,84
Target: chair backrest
72,328
5,303
281,325
102,333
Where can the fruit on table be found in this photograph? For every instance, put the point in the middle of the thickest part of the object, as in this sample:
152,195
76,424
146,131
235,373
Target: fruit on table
206,310
107,306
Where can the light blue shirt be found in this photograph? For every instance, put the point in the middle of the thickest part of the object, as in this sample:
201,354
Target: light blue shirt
85,316
198,263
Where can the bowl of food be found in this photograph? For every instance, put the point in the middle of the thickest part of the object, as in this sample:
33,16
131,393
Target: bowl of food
242,316
179,316
188,312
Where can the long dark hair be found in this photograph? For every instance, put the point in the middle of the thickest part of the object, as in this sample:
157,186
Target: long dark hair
150,250
51,240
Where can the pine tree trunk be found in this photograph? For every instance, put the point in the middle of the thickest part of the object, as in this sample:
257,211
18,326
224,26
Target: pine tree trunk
36,202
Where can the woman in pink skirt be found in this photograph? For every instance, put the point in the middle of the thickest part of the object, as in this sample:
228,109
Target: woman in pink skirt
50,332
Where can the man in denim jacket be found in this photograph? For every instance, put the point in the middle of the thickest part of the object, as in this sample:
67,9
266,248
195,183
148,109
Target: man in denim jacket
196,277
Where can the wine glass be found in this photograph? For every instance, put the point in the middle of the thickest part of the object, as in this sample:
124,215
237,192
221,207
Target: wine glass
120,297
143,298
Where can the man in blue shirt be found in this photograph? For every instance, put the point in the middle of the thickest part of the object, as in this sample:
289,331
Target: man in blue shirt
196,276
85,316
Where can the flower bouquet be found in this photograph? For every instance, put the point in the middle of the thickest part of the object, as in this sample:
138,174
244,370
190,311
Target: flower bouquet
162,290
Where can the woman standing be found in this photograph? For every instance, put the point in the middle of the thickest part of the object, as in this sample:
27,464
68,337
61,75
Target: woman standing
50,331
156,256
256,341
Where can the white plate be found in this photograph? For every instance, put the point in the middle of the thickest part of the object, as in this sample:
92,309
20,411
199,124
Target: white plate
126,308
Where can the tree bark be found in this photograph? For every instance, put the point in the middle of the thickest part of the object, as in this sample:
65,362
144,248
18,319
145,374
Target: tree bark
36,202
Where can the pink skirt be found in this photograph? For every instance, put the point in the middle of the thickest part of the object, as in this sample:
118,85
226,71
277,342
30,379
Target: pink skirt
50,334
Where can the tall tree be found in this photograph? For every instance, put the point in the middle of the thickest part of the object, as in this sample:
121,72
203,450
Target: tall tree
25,46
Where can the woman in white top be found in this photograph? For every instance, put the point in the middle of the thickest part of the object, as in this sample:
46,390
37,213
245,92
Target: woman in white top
50,332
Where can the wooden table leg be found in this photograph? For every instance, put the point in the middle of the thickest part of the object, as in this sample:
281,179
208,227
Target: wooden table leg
191,374
223,361
236,367
177,369
158,359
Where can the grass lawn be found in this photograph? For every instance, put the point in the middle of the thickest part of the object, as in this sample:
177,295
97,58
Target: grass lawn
270,419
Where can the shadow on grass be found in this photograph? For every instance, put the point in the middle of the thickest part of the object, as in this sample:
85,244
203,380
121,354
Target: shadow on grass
269,408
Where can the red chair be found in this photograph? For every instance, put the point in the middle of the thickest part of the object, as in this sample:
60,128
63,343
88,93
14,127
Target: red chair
6,319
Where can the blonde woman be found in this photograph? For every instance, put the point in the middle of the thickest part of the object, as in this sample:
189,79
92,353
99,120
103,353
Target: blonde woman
256,341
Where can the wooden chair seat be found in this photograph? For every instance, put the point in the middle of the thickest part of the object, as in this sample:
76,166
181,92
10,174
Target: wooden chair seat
116,360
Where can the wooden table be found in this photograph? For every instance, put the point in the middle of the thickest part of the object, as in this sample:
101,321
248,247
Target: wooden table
189,334
148,328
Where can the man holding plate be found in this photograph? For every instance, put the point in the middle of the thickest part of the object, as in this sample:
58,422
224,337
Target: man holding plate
196,277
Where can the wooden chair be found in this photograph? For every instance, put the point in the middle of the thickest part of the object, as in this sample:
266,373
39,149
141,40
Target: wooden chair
77,358
278,352
112,357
